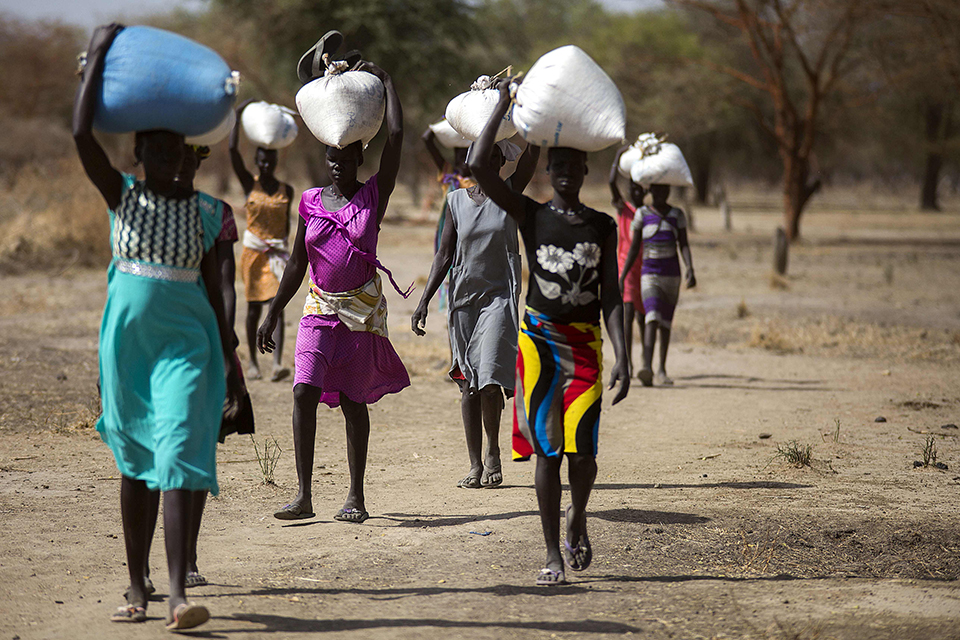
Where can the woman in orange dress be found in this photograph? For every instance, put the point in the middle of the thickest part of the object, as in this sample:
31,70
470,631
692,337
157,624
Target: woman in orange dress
265,251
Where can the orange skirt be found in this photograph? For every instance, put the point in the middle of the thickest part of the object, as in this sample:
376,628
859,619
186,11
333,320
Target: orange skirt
259,283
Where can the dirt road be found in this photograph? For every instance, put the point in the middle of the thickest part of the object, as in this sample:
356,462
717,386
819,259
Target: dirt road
700,530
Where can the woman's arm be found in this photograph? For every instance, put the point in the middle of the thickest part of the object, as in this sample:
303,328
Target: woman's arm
292,279
95,162
227,265
209,271
612,303
239,168
632,254
429,138
614,172
390,157
438,271
526,167
513,202
690,277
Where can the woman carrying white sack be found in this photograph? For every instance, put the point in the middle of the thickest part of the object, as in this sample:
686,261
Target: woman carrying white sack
658,231
265,252
343,355
480,249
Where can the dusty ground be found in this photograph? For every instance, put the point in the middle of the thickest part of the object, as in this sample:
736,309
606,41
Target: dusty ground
699,528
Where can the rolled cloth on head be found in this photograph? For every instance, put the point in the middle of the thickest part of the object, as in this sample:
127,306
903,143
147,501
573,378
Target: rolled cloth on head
509,150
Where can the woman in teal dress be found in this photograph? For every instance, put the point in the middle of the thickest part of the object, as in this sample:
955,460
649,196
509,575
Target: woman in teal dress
163,337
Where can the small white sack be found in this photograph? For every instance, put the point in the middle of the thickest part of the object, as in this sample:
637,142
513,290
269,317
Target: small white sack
567,100
469,112
215,135
448,136
661,163
645,143
341,108
269,125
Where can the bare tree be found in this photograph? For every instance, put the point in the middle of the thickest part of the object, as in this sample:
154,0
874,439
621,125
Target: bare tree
801,50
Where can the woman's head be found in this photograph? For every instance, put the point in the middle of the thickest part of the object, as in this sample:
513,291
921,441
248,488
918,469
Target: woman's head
659,193
161,154
567,168
193,155
342,164
266,160
637,192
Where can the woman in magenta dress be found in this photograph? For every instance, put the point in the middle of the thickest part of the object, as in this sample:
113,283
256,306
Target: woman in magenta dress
343,356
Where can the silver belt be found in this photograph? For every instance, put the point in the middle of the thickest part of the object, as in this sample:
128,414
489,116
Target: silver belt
156,271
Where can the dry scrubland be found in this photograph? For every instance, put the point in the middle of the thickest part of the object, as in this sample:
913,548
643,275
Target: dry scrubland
702,525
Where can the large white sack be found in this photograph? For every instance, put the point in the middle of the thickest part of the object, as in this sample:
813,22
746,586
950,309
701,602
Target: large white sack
448,136
214,136
269,125
566,100
341,108
664,165
469,112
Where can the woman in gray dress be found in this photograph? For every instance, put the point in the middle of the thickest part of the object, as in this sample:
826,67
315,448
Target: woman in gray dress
480,249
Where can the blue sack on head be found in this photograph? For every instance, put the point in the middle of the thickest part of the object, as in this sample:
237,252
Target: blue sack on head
155,79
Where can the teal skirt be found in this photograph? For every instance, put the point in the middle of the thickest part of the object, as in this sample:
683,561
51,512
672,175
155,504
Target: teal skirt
162,381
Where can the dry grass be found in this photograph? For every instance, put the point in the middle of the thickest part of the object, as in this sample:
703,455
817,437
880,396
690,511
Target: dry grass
52,218
819,336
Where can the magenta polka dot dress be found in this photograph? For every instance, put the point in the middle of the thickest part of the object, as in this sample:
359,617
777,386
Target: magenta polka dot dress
341,249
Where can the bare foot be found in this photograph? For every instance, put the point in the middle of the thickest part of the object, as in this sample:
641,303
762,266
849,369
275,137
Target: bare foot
279,373
662,379
253,372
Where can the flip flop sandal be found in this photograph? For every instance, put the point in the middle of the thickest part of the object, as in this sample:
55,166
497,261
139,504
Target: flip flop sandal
470,482
129,613
356,516
577,558
311,64
194,579
353,59
550,578
485,481
188,616
292,512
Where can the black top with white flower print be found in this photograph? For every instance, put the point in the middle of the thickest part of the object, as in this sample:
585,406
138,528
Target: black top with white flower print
564,258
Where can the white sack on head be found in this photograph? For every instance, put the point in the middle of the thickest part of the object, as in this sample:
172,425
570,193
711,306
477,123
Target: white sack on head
214,136
269,125
644,141
469,112
566,100
448,136
662,163
341,108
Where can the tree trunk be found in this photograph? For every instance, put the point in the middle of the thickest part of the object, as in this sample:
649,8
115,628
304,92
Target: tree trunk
796,192
933,116
702,157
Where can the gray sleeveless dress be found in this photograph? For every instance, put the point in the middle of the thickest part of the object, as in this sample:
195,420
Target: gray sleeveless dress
484,292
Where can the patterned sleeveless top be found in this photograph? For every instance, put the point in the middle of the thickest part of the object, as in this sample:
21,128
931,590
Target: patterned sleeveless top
148,227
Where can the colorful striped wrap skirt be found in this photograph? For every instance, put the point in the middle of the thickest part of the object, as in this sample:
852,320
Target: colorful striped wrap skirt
556,408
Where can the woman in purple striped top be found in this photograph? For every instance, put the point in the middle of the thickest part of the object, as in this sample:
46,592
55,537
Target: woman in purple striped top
659,229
